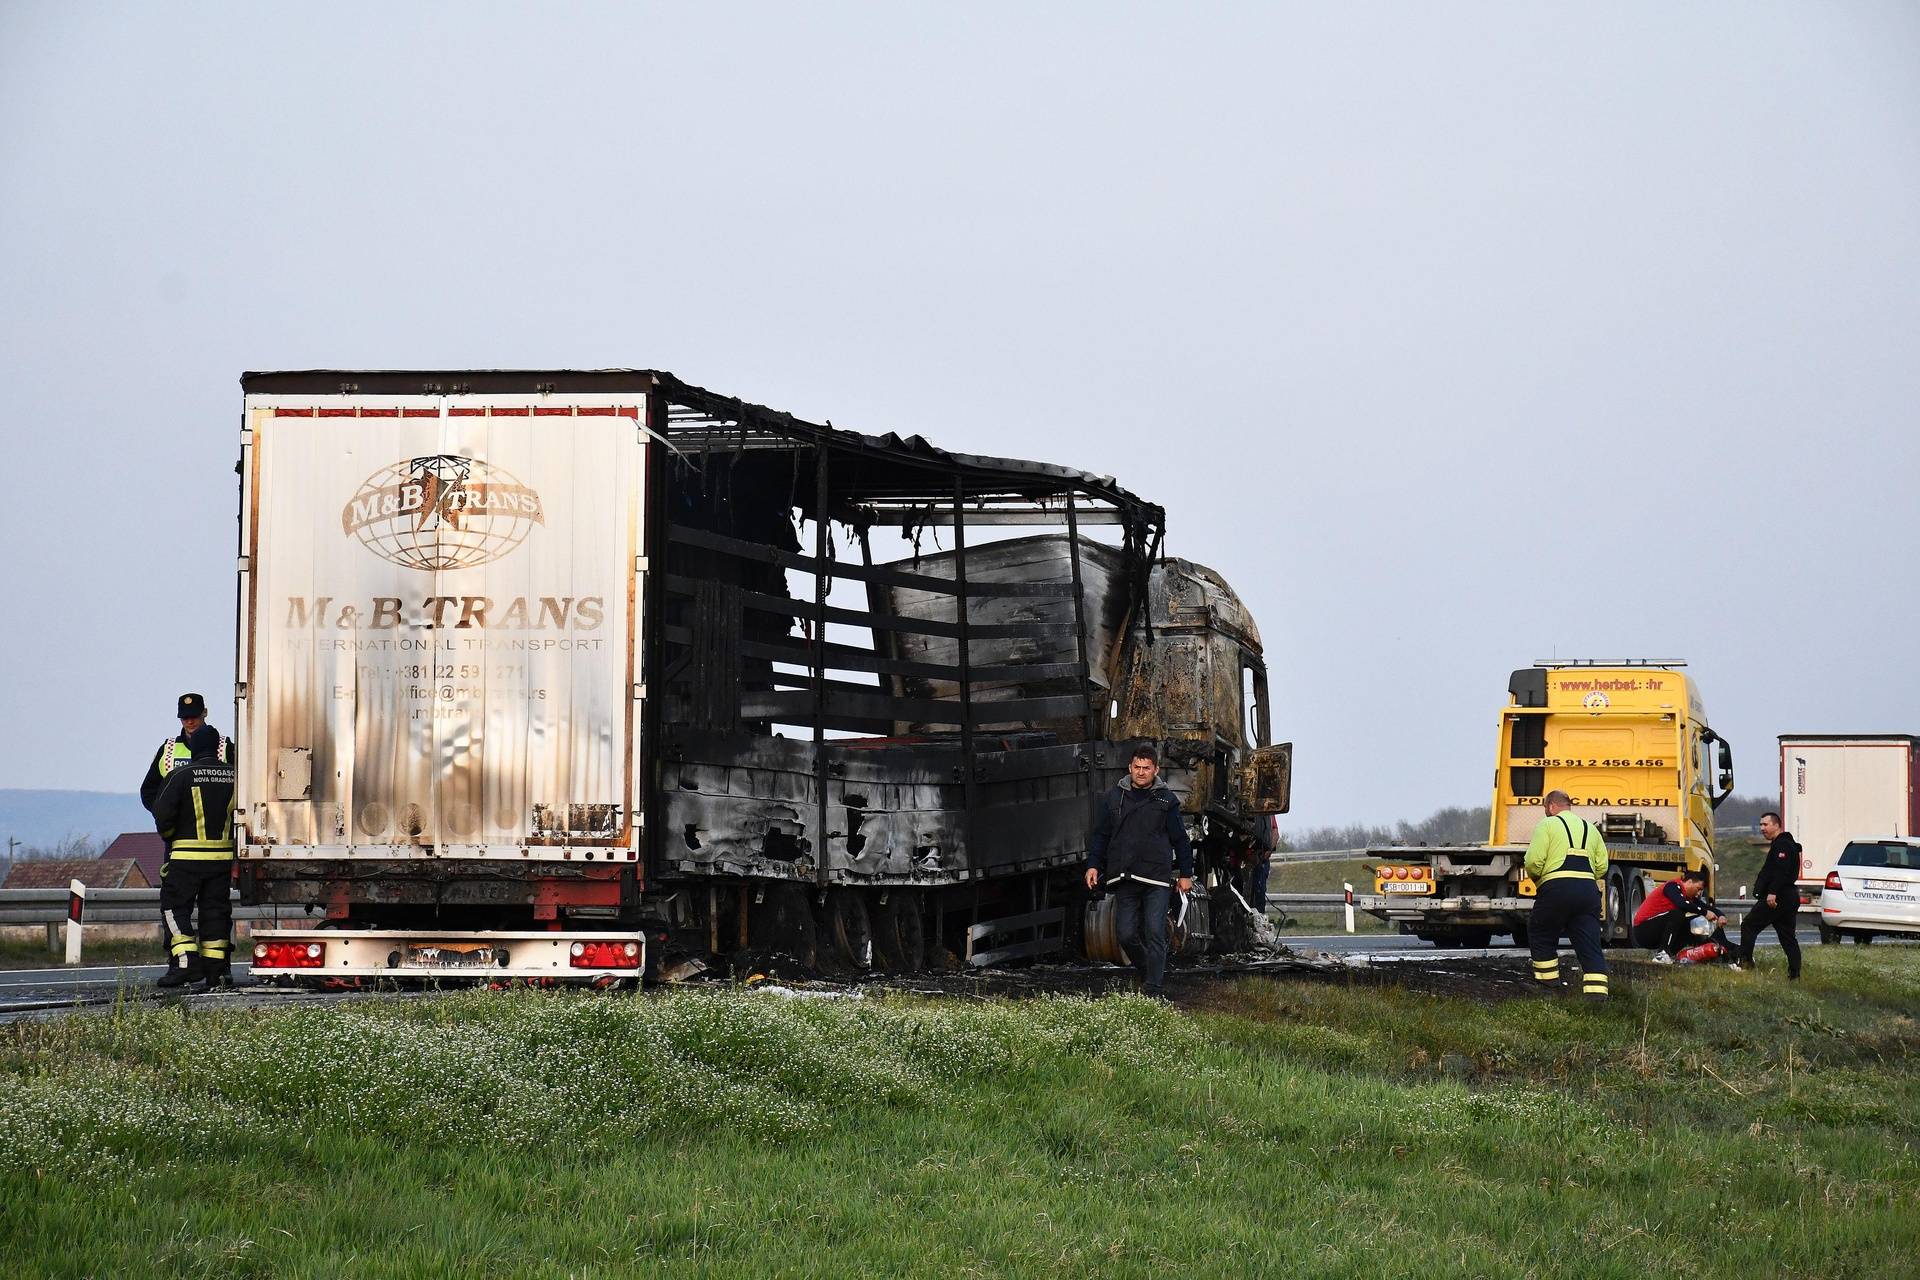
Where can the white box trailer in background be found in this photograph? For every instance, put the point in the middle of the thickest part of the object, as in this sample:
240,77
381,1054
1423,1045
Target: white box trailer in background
1836,787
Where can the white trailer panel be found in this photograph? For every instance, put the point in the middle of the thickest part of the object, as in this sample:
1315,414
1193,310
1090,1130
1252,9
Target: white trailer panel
1835,788
441,625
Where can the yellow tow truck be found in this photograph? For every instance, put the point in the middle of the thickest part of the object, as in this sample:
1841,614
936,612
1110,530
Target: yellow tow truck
1628,741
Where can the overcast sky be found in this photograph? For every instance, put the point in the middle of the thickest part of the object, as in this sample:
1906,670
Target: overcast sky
1454,336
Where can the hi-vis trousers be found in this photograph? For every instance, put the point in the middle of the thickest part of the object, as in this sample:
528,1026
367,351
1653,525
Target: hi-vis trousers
1568,908
202,886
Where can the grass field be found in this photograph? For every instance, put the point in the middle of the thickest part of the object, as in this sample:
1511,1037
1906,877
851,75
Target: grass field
1701,1123
18,953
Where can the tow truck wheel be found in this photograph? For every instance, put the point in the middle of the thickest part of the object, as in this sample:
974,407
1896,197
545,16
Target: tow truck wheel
1617,916
899,932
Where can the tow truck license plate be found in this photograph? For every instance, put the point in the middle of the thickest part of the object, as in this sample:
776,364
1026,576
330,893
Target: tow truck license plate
451,955
1405,886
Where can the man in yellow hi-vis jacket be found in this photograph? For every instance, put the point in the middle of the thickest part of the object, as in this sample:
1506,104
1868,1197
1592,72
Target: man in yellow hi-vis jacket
1567,859
194,814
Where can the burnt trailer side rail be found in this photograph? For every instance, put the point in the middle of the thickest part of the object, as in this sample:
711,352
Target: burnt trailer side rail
944,786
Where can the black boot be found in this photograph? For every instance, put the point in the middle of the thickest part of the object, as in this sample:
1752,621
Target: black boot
179,974
215,975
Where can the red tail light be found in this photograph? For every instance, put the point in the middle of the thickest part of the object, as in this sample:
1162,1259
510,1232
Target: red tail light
1833,879
289,955
604,955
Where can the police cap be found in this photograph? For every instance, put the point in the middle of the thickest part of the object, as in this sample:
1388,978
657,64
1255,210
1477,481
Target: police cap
193,707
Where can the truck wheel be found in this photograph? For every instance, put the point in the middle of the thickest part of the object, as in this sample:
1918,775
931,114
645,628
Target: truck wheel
849,928
1520,935
1473,938
899,932
1616,914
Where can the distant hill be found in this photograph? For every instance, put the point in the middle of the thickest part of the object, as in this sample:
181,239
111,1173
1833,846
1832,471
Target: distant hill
43,819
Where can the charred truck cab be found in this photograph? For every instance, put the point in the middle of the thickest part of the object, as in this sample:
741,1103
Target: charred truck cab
1628,741
570,675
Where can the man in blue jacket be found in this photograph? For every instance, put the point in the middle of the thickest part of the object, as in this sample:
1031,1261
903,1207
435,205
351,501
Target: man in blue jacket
1139,841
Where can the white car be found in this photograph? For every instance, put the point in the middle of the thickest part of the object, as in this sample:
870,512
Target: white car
1874,888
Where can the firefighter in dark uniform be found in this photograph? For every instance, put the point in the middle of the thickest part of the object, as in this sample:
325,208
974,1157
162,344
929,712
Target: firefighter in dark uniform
194,815
173,752
1567,859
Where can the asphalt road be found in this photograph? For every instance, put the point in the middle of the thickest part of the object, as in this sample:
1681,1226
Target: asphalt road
30,991
1343,943
17,985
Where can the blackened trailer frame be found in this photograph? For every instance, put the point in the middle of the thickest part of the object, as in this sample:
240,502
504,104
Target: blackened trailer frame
860,482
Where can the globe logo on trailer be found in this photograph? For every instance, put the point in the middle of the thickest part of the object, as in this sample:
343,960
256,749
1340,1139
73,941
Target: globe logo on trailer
441,512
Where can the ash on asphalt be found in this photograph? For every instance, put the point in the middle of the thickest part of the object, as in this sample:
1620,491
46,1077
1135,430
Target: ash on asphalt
1498,977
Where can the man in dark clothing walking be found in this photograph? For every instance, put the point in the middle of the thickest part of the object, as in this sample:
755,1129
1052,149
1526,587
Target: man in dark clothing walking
194,815
1776,896
1137,840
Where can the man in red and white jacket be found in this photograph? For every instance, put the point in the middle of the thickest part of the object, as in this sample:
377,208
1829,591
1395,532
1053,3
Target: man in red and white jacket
1664,922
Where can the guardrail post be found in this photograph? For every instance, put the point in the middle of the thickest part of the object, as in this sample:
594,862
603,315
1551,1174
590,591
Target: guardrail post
1349,889
76,907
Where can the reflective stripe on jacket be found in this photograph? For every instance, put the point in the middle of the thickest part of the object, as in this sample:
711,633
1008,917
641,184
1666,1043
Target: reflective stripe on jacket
195,812
1564,848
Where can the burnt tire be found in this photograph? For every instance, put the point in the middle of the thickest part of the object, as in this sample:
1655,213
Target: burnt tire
899,932
848,928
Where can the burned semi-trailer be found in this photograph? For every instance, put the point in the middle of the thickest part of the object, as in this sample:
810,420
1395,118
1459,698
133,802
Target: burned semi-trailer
561,675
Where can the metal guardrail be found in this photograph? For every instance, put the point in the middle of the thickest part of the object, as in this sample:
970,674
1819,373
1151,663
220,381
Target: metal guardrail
104,906
1286,856
120,906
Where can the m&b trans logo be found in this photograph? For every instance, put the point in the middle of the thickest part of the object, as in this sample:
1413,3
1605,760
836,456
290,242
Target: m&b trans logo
441,512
